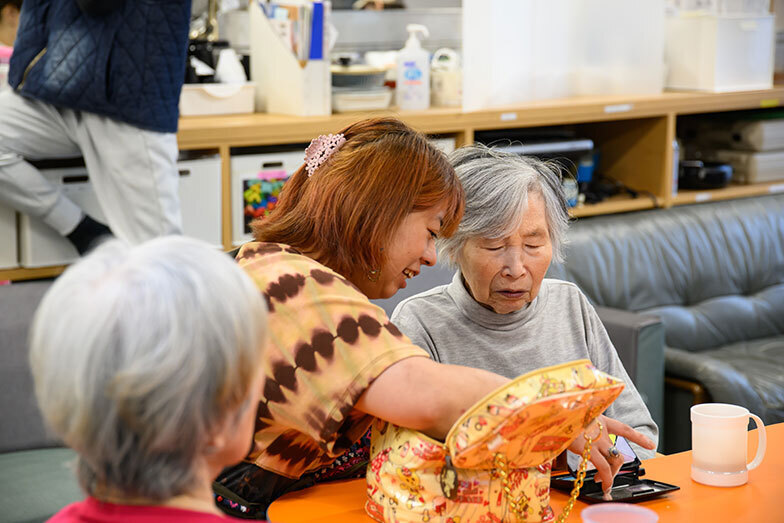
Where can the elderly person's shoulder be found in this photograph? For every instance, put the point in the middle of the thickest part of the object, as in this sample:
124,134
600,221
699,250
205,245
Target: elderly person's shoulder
435,299
563,286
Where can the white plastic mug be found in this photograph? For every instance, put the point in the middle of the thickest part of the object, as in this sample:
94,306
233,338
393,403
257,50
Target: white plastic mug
719,440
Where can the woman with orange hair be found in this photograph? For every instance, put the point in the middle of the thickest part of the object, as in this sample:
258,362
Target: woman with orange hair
352,224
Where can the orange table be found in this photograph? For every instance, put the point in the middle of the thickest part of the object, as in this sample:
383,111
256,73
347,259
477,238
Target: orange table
761,500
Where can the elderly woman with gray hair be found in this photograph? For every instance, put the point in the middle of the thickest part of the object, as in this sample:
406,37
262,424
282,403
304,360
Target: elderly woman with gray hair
146,362
500,313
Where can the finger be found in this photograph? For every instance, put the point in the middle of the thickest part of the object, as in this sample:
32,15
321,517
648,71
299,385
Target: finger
622,429
604,473
616,462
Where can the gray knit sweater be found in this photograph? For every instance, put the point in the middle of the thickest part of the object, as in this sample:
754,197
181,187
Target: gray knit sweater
558,326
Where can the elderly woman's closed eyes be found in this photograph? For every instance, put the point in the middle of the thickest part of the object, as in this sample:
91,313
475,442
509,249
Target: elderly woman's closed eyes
500,313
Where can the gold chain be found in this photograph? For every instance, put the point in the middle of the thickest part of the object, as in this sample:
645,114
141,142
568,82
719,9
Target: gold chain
519,506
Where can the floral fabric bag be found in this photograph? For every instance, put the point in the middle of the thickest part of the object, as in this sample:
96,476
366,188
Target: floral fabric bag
495,462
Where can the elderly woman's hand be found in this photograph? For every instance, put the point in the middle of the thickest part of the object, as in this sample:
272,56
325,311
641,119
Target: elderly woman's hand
607,465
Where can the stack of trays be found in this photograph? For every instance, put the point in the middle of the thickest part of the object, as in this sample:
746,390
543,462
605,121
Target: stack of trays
359,88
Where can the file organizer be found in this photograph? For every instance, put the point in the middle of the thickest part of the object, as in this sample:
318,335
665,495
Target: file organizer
8,250
200,202
285,85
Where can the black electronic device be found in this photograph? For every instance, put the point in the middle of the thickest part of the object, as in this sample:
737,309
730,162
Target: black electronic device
699,174
628,486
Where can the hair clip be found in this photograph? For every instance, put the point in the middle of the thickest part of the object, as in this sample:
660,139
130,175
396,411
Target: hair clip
320,149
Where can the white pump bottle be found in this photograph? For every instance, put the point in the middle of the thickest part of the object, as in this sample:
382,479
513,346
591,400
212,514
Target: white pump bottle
413,72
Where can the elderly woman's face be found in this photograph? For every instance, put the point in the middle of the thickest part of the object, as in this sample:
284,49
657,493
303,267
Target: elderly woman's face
506,274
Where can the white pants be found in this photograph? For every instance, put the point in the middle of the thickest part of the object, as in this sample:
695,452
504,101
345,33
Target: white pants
133,171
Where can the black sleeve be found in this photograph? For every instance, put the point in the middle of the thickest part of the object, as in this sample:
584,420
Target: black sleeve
99,7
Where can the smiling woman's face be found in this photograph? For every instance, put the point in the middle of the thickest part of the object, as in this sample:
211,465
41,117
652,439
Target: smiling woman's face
505,274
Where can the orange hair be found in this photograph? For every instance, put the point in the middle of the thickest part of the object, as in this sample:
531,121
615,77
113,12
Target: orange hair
348,210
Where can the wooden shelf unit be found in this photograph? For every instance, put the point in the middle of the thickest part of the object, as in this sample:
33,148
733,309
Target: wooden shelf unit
634,134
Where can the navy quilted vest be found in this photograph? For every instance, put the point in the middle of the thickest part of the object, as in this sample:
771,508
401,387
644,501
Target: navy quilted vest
128,65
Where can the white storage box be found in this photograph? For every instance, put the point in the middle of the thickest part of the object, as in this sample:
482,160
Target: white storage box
256,180
200,198
752,167
200,202
39,244
9,258
707,52
745,135
205,99
515,51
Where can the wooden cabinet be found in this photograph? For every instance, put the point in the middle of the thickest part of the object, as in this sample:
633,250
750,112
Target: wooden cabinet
634,134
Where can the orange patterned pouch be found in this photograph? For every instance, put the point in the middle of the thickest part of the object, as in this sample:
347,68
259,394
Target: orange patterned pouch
495,463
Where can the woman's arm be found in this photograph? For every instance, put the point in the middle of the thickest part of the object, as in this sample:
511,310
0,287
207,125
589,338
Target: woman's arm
423,395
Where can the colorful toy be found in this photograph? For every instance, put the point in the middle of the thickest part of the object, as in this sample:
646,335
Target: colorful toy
260,194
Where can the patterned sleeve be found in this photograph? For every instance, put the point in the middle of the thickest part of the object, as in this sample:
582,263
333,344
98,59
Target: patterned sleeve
326,343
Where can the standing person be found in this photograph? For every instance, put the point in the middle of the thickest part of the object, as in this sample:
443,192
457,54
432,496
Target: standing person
100,79
146,362
9,21
500,313
354,223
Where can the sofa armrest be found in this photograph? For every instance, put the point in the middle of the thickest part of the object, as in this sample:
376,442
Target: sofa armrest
639,340
724,383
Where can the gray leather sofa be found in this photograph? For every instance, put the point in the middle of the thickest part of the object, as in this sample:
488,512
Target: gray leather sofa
714,274
36,476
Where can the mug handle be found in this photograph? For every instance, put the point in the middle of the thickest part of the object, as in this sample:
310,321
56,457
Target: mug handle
761,445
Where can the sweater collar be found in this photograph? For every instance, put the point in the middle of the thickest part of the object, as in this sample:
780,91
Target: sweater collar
484,317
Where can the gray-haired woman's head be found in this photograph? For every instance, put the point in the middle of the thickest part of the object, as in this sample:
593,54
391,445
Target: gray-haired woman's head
140,354
497,185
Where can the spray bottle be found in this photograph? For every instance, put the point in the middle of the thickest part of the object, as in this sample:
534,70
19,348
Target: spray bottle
413,72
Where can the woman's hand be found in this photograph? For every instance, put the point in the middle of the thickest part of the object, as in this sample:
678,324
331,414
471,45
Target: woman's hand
607,465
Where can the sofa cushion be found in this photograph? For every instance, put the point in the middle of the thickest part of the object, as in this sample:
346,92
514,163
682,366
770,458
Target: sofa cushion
22,426
748,373
714,272
724,319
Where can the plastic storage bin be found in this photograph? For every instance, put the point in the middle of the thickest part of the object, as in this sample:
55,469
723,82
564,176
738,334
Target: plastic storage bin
39,245
256,180
200,198
206,99
707,52
200,203
617,47
9,258
517,51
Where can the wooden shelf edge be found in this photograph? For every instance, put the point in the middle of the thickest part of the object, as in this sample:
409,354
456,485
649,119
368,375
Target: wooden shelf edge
269,129
613,206
685,197
36,273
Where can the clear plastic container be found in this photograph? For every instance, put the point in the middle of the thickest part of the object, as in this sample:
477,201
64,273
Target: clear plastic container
517,51
618,513
618,47
709,52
